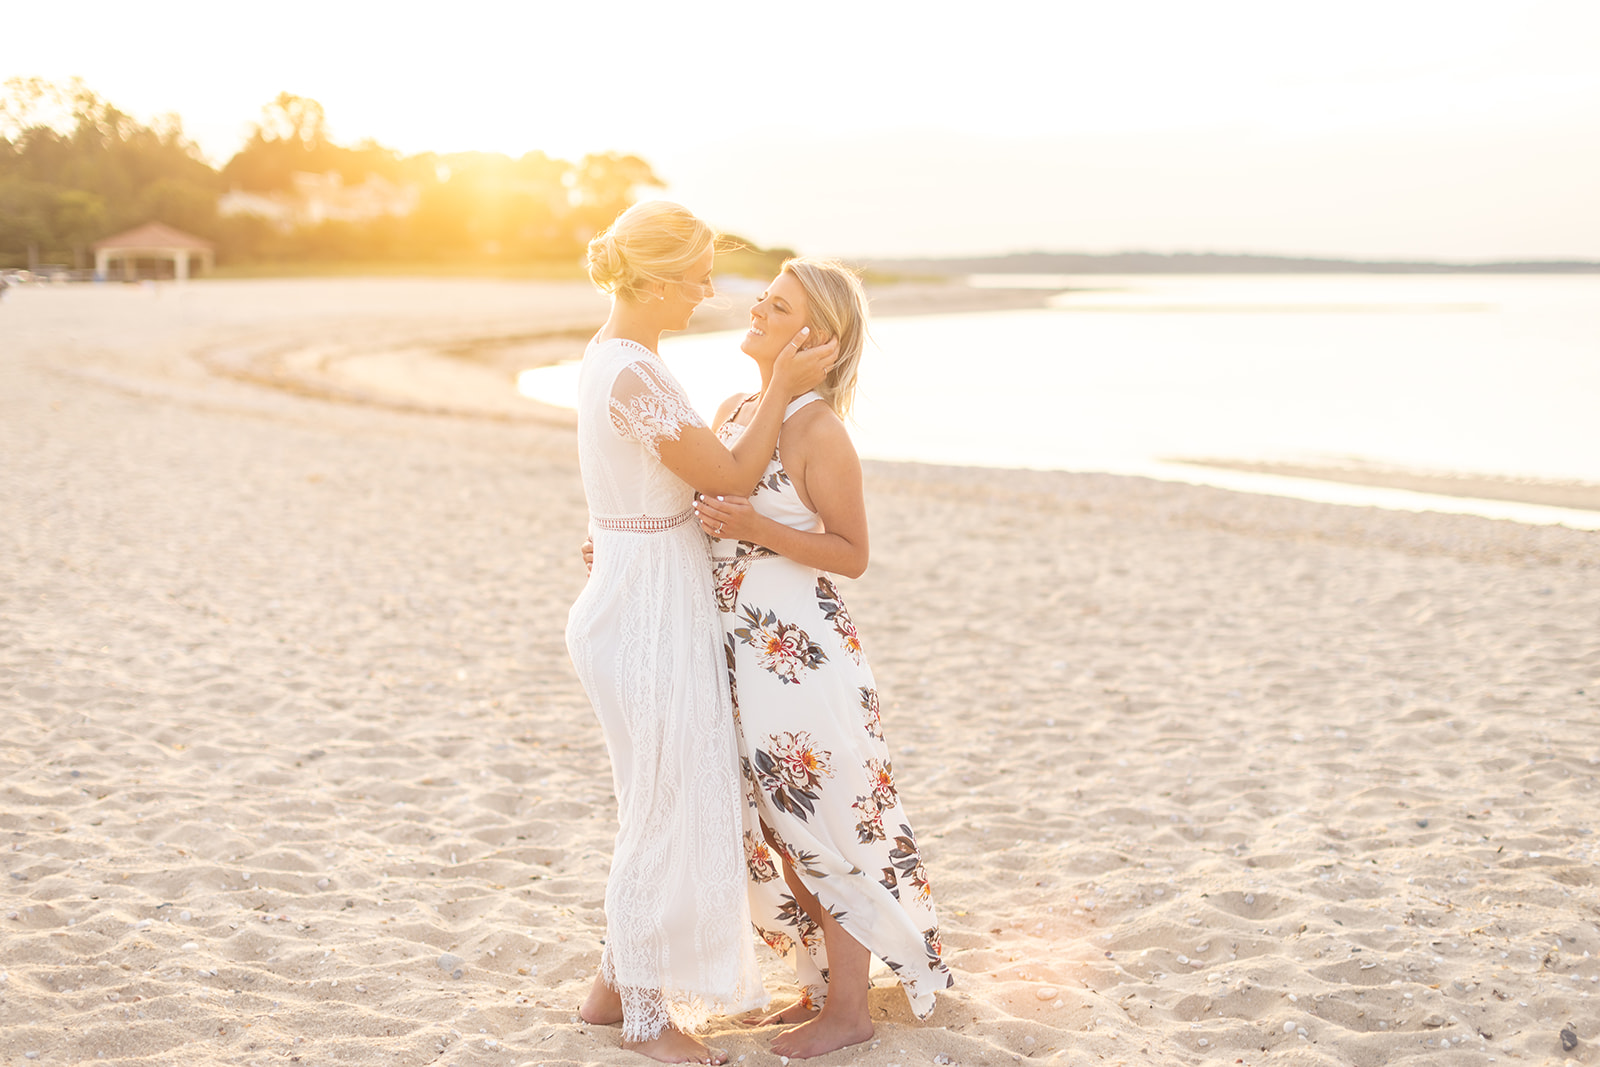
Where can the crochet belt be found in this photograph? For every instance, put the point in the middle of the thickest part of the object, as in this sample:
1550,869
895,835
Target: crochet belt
644,524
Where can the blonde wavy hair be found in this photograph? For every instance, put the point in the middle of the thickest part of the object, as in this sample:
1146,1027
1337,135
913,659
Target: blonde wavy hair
654,241
838,311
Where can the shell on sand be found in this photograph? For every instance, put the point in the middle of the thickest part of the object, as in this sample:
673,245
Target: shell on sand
288,726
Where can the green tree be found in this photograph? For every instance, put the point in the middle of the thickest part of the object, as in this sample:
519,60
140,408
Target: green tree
79,218
74,168
291,136
295,118
25,210
184,204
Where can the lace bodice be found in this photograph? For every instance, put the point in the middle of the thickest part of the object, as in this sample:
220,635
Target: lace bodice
628,403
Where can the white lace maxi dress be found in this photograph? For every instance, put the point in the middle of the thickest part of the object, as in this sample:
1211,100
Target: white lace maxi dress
646,641
816,766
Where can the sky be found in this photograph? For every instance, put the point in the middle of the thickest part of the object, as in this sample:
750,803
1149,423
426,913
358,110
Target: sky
1439,129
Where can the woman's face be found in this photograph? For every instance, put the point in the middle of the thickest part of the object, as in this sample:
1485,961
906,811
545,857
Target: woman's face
776,318
680,298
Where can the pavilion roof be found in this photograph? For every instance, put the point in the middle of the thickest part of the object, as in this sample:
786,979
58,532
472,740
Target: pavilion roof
154,235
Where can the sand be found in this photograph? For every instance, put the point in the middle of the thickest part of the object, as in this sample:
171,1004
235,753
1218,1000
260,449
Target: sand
295,770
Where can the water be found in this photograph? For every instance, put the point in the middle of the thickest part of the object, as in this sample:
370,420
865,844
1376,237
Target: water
1492,375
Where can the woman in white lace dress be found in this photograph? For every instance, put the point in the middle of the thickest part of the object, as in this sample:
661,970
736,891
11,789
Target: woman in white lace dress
835,872
646,643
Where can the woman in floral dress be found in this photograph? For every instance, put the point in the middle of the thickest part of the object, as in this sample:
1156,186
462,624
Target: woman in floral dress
835,872
645,642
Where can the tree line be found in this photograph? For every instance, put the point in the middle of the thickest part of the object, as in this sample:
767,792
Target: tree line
75,169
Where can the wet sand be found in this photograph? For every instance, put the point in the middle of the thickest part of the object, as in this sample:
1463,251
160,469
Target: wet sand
1483,487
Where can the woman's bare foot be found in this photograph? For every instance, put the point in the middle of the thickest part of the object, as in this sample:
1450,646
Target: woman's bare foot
798,1012
845,1018
675,1046
602,1007
827,1032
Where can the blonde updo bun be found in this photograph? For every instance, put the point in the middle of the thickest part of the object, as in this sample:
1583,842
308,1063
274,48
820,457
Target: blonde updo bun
652,242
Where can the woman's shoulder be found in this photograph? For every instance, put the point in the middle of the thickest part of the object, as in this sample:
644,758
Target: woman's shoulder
816,425
812,415
622,350
631,367
728,407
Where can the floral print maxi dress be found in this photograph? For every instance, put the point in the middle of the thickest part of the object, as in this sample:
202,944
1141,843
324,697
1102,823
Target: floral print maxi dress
817,774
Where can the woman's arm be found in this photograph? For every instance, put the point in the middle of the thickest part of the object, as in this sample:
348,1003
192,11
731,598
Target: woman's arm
832,472
700,459
725,411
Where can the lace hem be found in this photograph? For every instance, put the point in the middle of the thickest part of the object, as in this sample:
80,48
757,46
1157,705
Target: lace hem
647,1012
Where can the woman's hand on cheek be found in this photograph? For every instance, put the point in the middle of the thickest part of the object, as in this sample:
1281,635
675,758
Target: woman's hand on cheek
798,369
728,517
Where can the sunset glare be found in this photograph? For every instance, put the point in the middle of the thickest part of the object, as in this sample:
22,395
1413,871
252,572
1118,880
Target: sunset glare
1411,129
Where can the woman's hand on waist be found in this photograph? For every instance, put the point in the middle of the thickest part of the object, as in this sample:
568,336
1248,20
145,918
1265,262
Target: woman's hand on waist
729,517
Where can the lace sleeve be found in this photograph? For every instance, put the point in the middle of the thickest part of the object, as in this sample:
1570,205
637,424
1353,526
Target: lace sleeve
648,406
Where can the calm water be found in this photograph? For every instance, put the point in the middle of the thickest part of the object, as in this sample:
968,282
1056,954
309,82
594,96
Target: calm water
1491,375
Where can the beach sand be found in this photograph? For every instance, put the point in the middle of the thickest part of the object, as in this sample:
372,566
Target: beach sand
295,769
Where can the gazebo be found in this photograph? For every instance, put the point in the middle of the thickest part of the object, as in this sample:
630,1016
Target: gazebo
153,240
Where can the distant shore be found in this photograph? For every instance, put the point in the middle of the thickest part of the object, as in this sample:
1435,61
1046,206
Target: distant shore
892,272
1208,263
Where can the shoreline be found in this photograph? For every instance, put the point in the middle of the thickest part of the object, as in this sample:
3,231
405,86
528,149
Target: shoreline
472,374
1579,496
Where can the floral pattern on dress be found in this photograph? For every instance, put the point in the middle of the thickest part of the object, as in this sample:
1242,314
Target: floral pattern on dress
749,550
790,769
730,652
775,479
727,575
777,940
759,858
869,705
879,799
906,864
811,741
880,776
798,858
834,611
807,928
781,647
870,828
935,949
726,578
